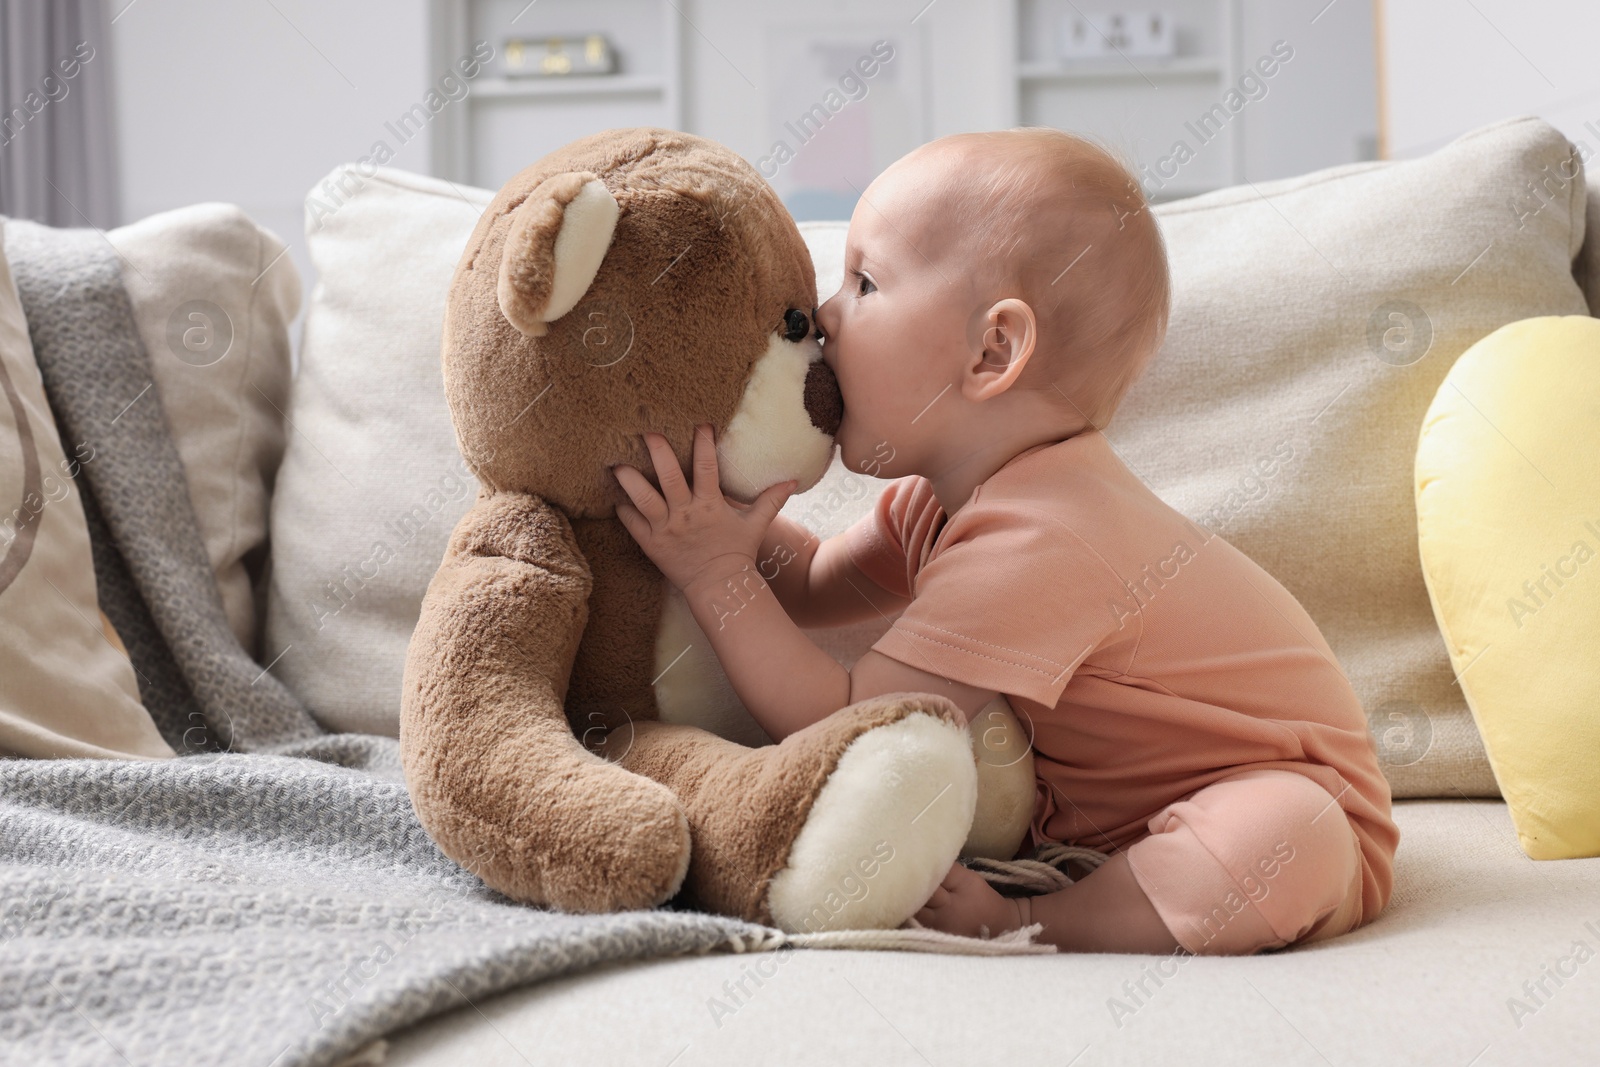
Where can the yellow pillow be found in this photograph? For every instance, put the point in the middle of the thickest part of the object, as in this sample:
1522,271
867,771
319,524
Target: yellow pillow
1508,524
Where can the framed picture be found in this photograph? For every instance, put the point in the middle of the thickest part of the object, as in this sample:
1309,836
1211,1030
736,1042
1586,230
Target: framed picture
842,104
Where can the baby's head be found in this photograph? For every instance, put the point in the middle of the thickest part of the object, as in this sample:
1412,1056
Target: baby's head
992,280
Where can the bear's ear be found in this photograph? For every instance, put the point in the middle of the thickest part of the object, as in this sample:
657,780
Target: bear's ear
558,237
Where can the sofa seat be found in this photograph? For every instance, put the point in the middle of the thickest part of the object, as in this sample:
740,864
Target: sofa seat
1438,978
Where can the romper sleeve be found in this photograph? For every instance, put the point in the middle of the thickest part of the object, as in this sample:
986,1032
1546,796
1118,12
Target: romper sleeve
1012,601
887,543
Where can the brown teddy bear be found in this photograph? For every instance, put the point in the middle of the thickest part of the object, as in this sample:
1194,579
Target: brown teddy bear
561,709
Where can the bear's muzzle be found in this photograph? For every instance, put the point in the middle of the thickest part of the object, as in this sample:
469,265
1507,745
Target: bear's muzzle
824,401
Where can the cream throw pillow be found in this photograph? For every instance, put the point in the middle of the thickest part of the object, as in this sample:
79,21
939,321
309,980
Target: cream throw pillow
212,296
67,688
372,482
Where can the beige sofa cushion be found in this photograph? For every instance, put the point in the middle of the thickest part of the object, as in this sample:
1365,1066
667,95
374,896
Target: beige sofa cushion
67,687
1313,321
213,295
372,482
1275,357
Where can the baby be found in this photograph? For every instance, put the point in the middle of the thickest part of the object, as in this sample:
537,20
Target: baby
1002,291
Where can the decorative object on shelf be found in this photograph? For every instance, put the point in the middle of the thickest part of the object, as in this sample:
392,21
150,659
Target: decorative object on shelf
559,57
1138,78
1128,33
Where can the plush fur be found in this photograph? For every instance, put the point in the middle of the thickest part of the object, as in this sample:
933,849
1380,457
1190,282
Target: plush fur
643,279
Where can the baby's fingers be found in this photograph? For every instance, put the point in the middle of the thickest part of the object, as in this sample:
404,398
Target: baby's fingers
706,476
668,471
771,501
637,525
641,492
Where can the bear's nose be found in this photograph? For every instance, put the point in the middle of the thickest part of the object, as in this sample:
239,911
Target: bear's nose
824,401
796,325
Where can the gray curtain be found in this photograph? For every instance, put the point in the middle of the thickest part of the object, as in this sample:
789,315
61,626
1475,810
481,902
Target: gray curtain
58,159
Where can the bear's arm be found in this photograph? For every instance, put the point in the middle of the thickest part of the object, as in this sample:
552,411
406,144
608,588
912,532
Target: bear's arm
490,760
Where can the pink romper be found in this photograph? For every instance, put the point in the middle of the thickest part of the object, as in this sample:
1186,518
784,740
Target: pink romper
1183,705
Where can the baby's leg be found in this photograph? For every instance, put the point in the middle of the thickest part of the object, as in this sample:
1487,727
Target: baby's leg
1104,911
1258,860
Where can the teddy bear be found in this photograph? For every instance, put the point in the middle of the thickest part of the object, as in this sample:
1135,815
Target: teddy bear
566,733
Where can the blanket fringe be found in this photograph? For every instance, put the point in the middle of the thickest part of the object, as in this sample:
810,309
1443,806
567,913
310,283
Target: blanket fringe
1040,873
910,938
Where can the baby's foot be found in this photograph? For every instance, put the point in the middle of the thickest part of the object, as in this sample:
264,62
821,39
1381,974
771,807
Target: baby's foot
966,904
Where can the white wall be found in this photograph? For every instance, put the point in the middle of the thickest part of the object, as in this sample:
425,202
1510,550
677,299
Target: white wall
254,103
1451,67
1323,106
1321,110
230,100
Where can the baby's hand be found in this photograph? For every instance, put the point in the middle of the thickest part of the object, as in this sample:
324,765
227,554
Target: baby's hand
966,904
694,536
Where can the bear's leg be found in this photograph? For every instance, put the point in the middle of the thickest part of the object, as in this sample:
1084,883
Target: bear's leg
848,824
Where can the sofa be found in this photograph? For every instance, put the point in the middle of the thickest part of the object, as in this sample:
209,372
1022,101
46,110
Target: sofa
1472,919
1480,956
1314,321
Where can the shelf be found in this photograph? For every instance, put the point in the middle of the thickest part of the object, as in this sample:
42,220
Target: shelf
508,120
1142,104
569,85
1121,69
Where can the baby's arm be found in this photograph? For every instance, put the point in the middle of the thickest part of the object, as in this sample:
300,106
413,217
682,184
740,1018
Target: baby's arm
815,580
782,677
815,584
718,554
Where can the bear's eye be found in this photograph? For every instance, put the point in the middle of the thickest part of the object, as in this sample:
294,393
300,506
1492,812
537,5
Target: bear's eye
796,324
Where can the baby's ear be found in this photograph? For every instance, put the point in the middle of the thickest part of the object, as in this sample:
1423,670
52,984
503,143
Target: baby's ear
558,237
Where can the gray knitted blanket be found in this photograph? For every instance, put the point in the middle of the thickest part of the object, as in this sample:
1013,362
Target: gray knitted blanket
268,897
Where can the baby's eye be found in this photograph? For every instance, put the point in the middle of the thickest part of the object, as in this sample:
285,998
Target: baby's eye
863,283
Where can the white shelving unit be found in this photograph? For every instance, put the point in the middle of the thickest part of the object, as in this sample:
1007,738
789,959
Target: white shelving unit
578,85
1143,104
508,121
